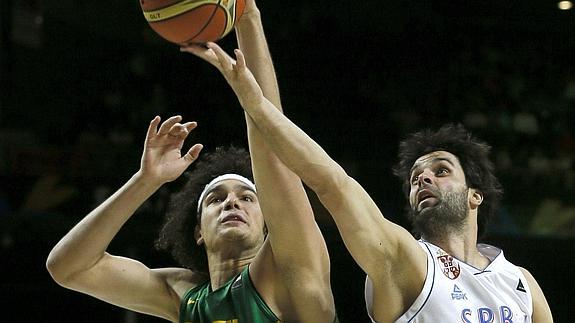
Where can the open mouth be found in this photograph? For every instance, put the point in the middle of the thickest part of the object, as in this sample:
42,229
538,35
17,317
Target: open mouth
424,195
234,217
425,199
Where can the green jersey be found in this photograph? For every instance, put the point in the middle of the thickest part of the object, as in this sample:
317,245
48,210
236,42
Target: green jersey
235,302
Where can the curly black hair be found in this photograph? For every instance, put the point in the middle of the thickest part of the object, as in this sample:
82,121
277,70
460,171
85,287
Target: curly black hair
177,233
473,156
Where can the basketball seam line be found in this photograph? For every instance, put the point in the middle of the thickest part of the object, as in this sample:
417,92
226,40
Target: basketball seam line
207,22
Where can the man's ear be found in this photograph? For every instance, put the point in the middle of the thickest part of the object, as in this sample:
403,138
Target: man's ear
476,198
198,235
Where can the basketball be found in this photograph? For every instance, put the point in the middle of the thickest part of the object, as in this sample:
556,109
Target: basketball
192,21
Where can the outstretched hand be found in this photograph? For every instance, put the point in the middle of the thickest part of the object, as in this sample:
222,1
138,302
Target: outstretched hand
235,71
162,160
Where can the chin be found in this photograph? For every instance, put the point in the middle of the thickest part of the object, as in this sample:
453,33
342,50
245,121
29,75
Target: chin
425,210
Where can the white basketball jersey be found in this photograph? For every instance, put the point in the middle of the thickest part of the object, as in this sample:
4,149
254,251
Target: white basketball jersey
457,292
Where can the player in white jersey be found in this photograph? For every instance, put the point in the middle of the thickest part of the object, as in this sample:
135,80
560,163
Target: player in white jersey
499,293
452,192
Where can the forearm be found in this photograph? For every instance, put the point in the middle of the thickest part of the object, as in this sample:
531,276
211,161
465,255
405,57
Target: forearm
252,42
295,148
283,199
87,242
268,170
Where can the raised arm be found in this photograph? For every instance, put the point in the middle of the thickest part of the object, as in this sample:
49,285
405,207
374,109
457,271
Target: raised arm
298,258
80,262
299,250
384,250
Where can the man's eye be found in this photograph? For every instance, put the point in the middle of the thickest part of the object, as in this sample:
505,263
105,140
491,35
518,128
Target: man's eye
442,171
248,199
414,180
214,200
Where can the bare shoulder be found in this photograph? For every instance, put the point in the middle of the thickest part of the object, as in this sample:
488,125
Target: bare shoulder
541,310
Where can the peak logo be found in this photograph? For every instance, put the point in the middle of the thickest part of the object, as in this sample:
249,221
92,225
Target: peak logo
520,287
458,294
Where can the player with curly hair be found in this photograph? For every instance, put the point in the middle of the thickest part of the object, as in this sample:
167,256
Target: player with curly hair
250,251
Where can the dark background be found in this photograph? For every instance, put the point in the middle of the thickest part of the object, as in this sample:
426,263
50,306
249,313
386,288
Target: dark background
80,80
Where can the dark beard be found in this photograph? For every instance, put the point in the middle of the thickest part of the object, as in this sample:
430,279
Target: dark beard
446,217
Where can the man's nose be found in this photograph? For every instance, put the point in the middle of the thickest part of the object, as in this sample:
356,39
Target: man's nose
426,178
231,202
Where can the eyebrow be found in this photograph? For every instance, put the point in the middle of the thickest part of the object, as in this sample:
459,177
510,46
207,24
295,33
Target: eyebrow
235,187
433,161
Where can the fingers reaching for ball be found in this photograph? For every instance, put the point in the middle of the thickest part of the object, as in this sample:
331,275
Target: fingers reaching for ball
226,62
235,71
215,55
240,59
201,51
209,55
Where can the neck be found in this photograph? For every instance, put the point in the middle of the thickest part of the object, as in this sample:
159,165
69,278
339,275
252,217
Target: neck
463,245
223,266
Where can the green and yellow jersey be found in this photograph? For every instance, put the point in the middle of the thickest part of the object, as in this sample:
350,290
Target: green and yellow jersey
235,302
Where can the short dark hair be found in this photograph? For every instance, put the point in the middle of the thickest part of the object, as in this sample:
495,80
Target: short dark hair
473,156
177,233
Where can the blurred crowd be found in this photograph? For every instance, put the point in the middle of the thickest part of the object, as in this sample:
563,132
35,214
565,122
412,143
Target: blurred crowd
72,124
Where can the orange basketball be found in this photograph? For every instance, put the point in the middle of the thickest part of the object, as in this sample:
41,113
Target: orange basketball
192,21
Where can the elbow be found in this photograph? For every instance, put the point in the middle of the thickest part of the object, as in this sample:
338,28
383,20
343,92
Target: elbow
57,269
67,270
53,265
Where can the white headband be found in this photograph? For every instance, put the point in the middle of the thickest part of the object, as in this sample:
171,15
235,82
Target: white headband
220,178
